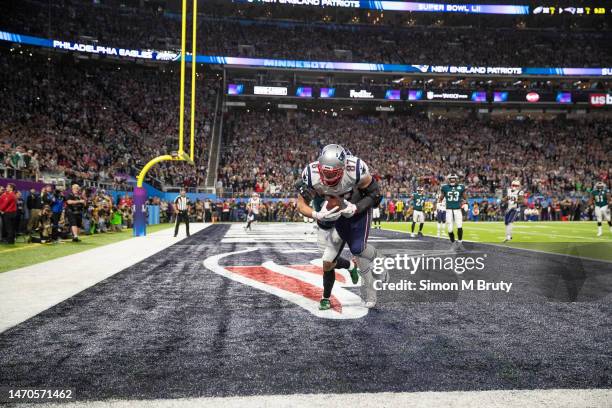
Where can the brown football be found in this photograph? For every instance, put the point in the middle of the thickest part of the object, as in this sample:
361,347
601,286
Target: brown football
333,202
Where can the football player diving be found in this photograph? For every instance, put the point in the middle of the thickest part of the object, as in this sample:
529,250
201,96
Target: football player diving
336,175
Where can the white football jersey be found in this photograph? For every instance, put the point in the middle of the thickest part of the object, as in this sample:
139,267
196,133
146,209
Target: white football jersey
513,198
254,204
354,172
441,205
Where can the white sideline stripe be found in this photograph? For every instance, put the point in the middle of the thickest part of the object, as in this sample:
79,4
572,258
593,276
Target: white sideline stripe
26,292
558,398
582,258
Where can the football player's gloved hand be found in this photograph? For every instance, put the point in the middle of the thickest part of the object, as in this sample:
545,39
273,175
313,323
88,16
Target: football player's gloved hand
325,214
349,209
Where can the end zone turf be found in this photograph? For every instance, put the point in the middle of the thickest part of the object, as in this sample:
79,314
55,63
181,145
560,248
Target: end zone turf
567,238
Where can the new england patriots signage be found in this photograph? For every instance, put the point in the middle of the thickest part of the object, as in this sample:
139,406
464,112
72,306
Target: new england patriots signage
160,55
403,6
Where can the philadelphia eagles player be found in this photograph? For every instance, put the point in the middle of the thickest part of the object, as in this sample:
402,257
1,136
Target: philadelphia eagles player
339,176
418,199
514,197
600,196
454,194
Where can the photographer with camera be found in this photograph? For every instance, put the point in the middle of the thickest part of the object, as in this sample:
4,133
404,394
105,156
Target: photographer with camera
34,205
44,226
57,210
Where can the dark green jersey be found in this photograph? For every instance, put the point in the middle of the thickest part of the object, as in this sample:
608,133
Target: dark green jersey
317,203
600,197
453,195
417,201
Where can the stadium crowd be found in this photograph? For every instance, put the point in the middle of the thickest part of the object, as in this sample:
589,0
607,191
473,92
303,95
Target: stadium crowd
140,28
266,152
96,122
416,45
50,214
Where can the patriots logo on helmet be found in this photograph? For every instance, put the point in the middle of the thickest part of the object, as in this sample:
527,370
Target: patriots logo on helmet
342,155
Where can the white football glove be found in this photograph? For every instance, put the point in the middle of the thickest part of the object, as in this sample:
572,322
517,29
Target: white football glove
325,214
349,209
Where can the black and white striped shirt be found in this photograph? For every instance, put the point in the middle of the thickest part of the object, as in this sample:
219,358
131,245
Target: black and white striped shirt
181,203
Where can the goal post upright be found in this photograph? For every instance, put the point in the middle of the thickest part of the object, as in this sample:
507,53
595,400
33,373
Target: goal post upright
194,24
140,193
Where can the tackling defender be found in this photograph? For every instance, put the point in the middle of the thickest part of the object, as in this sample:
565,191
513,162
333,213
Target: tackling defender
440,213
600,196
418,198
339,176
454,194
514,197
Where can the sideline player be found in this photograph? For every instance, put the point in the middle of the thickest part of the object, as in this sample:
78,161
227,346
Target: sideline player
440,213
454,194
253,210
336,174
418,199
600,196
513,197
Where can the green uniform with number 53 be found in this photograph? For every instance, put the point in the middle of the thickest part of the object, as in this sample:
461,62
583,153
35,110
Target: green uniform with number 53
453,195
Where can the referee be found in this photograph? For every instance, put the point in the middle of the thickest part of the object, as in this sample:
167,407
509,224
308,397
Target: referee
181,208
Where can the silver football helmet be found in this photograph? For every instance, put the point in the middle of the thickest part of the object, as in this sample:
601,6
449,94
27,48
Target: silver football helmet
331,164
452,179
600,185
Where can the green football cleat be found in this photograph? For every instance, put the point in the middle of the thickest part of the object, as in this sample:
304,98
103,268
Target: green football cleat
325,304
354,274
